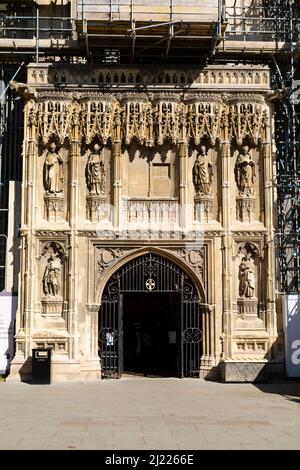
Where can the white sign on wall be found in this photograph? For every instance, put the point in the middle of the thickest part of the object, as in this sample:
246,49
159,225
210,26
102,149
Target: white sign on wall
8,307
291,307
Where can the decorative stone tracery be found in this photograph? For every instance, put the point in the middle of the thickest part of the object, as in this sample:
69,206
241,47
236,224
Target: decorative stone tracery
98,117
155,112
151,118
255,78
154,119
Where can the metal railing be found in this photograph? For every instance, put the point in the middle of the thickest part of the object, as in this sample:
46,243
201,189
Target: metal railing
262,29
255,23
111,10
243,23
33,27
36,28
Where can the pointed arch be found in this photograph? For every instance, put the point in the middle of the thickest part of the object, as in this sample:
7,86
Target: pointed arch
164,254
152,272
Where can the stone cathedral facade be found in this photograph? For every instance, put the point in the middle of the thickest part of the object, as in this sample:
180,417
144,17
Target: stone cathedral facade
171,165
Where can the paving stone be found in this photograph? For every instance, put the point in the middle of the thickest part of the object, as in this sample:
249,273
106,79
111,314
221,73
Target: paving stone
182,430
143,413
153,429
99,432
95,442
129,442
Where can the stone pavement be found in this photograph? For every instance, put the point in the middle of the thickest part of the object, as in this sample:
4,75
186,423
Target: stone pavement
147,413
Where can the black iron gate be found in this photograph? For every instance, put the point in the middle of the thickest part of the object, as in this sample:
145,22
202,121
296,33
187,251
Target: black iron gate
150,273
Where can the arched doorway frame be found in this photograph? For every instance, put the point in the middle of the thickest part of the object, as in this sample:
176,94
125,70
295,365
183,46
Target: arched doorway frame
192,308
158,251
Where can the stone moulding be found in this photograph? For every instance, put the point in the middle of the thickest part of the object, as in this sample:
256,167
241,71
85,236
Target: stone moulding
256,77
95,208
53,207
245,208
59,347
203,208
52,307
53,233
250,347
247,308
190,237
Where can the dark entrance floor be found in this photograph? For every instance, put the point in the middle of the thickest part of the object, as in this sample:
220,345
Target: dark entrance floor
150,340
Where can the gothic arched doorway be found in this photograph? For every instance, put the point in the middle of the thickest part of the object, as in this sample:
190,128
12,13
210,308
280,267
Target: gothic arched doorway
150,320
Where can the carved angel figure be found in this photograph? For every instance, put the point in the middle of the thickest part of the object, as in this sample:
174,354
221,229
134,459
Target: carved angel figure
53,171
202,173
95,172
245,172
51,276
247,277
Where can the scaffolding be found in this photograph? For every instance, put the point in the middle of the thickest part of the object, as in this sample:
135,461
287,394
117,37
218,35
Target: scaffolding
11,138
141,31
168,32
261,21
272,27
287,133
149,30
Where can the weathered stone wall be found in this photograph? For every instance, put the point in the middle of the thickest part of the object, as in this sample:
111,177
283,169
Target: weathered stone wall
121,162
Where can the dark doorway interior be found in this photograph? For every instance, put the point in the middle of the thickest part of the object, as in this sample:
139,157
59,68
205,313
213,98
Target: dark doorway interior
151,341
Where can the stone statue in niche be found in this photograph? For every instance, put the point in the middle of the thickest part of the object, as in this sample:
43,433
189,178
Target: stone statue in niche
95,172
202,173
53,171
51,285
245,172
247,277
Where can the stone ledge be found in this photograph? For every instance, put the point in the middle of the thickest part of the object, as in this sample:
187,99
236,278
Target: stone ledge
251,371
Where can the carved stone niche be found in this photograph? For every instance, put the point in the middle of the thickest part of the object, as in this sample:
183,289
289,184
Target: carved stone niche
247,302
245,174
202,180
53,272
95,181
53,183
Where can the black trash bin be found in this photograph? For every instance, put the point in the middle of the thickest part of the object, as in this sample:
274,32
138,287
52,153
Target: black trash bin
41,366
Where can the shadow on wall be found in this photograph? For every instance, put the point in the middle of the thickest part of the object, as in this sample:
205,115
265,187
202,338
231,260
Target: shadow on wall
8,307
25,371
212,375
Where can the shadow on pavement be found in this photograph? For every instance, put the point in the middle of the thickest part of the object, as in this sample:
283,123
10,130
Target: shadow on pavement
288,389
